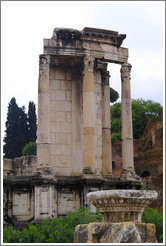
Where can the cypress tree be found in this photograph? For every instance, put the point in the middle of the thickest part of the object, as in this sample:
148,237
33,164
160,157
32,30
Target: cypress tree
20,129
24,138
13,131
16,136
32,119
114,95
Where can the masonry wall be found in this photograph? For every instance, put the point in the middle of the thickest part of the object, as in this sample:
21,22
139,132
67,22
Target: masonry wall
66,123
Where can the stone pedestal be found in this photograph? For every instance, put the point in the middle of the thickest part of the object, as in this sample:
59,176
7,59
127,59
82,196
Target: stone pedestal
121,214
122,232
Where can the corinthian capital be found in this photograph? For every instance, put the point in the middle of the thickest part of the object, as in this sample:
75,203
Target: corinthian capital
88,63
44,62
105,75
125,70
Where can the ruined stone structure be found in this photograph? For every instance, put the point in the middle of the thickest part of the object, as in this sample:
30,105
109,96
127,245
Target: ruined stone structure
121,218
74,153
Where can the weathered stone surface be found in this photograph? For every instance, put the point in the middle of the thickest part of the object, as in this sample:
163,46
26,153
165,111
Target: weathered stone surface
72,42
7,167
22,200
90,233
24,166
125,232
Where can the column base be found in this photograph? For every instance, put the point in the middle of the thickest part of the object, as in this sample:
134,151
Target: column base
87,170
129,179
43,170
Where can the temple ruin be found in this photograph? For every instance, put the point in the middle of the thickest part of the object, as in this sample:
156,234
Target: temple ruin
74,154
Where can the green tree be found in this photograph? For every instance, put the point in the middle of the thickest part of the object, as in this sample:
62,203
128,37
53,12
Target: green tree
29,149
13,140
142,111
32,122
114,95
153,110
20,129
115,122
24,137
138,117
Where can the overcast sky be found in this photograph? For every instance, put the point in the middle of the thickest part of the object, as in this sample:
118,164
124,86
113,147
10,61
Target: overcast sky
24,25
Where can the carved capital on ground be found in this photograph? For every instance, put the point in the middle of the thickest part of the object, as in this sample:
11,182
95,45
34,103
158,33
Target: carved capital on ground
121,205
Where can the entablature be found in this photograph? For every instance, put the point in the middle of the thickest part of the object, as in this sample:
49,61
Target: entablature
99,43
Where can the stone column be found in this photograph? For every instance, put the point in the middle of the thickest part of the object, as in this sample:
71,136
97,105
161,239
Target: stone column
88,115
106,125
43,131
128,172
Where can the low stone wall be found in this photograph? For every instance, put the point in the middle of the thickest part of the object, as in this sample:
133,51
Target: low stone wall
21,166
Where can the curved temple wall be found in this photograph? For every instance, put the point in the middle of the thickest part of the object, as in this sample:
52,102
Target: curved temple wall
73,111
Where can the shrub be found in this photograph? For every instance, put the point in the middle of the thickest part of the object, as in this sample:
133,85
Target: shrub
58,230
61,230
115,137
152,216
10,235
29,149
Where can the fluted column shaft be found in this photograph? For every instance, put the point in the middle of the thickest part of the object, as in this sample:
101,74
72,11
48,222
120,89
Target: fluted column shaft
89,114
126,117
106,126
43,131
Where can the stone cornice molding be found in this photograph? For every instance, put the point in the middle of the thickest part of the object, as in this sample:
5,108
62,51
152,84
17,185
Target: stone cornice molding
102,44
103,35
89,34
